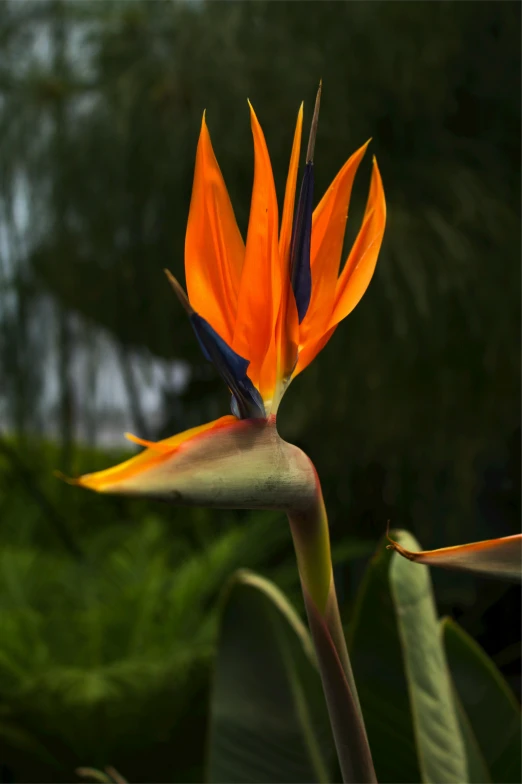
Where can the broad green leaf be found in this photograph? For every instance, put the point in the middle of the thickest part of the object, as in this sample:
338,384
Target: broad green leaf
478,772
375,652
492,709
440,746
268,715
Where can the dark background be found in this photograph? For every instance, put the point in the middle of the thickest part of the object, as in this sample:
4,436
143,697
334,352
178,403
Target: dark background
411,413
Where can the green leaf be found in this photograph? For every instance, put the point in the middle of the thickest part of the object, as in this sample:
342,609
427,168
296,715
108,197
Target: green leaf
376,655
379,666
440,746
492,709
478,772
268,715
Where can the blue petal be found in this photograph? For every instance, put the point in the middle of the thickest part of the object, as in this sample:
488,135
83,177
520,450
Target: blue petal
300,272
246,403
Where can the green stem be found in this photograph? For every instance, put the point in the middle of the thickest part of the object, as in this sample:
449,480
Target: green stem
312,546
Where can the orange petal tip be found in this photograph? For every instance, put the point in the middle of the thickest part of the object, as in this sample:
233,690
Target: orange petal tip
157,446
253,114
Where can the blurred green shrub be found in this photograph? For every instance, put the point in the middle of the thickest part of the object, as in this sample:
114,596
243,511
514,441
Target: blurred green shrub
103,657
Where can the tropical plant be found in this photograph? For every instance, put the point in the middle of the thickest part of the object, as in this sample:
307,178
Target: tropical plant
261,312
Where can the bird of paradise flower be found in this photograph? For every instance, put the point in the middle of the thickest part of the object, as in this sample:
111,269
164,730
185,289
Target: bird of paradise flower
262,311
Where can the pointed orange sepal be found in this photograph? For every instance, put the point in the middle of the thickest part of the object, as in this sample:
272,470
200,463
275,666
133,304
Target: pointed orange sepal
286,337
328,229
214,248
260,291
329,295
287,219
360,265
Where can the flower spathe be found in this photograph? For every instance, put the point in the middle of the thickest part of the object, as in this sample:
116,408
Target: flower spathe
228,463
261,309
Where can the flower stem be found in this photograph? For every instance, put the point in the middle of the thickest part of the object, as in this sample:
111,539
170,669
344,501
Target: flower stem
312,546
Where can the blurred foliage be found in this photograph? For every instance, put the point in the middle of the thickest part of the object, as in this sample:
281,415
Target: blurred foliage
102,657
411,413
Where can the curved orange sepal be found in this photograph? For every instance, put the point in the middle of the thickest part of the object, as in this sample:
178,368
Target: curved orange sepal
328,229
360,265
214,248
260,289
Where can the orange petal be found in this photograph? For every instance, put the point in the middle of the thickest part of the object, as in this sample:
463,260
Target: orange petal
275,376
287,219
359,268
260,290
214,249
354,278
494,557
328,228
311,350
273,373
